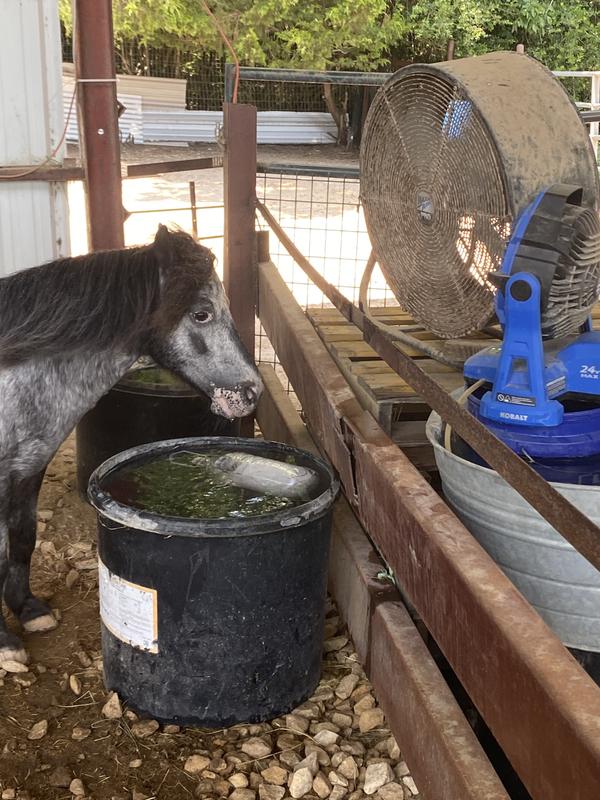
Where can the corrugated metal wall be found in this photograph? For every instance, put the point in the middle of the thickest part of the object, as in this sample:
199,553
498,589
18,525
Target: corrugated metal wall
33,215
131,126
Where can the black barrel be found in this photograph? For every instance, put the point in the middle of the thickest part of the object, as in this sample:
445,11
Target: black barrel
148,404
212,622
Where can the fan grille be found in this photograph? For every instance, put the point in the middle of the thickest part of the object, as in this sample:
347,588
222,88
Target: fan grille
435,201
576,283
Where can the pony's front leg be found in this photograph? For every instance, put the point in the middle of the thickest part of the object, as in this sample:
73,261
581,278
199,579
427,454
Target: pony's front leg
33,614
11,647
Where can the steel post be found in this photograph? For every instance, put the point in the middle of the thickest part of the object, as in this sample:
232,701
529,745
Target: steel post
193,207
240,259
229,82
98,115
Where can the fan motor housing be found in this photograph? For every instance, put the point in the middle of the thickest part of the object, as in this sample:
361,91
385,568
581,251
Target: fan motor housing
451,155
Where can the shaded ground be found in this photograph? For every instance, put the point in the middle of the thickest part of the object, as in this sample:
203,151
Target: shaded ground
121,758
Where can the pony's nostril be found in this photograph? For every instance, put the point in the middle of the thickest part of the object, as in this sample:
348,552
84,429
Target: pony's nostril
250,392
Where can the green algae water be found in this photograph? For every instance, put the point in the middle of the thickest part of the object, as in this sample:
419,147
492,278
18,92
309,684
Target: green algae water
156,377
186,484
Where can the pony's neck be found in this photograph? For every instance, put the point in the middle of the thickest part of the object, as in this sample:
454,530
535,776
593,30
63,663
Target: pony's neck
93,374
76,382
48,397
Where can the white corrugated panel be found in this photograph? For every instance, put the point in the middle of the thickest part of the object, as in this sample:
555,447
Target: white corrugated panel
131,126
273,127
166,93
181,126
33,215
295,127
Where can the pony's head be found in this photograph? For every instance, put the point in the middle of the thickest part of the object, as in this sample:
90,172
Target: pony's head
193,333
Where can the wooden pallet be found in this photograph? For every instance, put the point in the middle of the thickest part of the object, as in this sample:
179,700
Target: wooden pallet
393,402
400,411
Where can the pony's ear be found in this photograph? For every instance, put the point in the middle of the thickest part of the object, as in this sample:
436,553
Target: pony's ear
163,244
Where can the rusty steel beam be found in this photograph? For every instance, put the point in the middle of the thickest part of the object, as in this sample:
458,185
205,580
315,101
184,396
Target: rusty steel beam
278,419
99,132
180,165
435,738
239,250
34,173
541,706
578,529
239,176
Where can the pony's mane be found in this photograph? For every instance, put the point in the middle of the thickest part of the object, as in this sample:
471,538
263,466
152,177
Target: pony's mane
103,300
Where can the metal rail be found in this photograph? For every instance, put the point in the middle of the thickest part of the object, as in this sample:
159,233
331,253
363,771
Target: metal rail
180,165
301,76
590,116
540,705
569,521
174,208
310,170
34,173
341,78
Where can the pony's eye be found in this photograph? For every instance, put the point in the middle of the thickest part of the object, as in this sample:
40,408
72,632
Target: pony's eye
202,316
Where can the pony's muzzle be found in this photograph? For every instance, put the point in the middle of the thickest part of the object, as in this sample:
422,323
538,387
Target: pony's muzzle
237,402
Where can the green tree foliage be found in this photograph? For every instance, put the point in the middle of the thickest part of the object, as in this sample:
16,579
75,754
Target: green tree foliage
564,34
366,34
355,34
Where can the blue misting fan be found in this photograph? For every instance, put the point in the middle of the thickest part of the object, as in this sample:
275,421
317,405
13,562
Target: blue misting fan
542,383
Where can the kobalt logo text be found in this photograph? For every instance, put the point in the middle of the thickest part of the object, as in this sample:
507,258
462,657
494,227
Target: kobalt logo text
508,415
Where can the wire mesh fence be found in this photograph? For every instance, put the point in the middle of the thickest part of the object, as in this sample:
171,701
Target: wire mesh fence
320,210
205,76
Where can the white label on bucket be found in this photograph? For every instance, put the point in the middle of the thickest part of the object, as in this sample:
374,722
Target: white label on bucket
129,611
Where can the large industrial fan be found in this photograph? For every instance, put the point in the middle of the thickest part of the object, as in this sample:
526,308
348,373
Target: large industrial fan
452,154
480,190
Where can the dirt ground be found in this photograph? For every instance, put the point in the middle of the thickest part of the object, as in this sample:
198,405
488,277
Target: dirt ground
56,742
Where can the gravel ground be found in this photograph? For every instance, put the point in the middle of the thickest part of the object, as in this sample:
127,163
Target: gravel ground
62,735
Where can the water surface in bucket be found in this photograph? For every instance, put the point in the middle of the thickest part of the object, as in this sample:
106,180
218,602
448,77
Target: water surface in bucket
155,376
185,484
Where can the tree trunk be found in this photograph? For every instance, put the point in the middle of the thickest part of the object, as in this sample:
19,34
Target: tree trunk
338,114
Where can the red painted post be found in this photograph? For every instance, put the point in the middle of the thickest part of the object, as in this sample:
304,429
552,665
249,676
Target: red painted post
240,258
98,114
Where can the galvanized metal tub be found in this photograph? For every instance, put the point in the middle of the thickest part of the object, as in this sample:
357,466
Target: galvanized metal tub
560,584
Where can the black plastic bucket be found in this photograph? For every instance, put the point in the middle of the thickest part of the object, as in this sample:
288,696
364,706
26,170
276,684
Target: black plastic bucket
148,404
212,622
